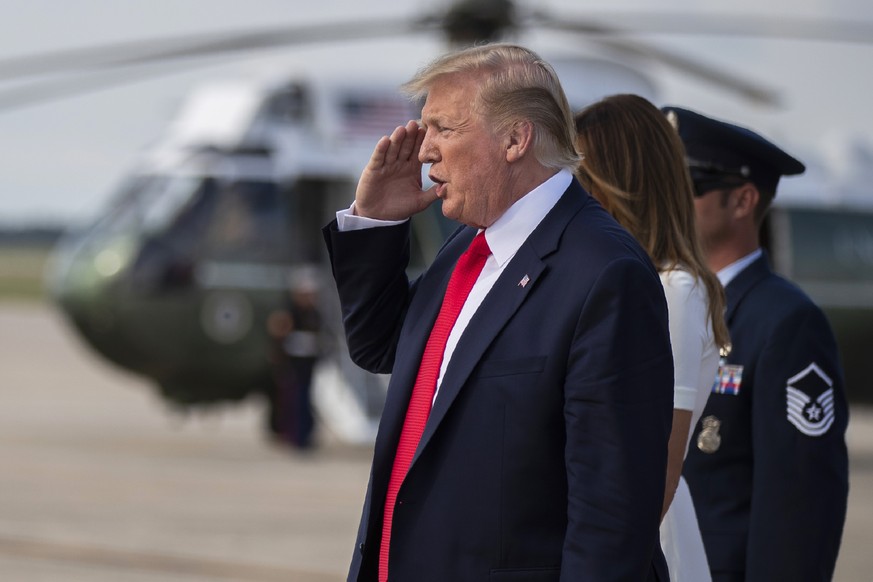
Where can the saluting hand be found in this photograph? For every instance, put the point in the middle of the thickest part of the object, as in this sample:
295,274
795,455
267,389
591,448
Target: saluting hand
390,187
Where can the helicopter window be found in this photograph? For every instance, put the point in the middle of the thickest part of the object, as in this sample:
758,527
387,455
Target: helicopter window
234,222
148,204
166,199
185,227
247,222
203,215
124,213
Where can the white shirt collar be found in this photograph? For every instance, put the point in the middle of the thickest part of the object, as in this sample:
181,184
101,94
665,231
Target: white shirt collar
727,274
509,232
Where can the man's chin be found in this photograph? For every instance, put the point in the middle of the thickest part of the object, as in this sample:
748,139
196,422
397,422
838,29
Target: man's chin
449,211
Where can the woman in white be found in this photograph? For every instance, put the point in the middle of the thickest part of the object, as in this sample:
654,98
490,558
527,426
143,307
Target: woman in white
634,164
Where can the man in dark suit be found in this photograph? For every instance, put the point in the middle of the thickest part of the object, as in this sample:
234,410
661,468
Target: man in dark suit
769,472
543,455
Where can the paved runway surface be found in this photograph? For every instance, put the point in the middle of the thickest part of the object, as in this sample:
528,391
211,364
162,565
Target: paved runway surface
100,482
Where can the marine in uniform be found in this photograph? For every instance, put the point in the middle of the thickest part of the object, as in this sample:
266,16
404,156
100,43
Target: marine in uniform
768,465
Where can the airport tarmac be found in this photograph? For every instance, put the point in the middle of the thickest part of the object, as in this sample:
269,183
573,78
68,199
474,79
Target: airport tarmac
100,482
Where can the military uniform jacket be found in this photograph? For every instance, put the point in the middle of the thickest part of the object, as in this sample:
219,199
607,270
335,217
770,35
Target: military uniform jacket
768,466
543,458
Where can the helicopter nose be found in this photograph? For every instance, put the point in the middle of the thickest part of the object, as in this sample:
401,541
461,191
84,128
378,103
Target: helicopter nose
82,268
81,279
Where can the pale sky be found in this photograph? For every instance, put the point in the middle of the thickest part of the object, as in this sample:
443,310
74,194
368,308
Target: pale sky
61,161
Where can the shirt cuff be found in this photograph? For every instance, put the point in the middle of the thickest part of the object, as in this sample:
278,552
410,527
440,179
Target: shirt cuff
347,220
684,398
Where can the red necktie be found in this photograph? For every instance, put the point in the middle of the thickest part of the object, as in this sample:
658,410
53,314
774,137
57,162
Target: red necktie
463,277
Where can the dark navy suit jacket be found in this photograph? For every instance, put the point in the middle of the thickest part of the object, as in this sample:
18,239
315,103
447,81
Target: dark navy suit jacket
771,500
544,456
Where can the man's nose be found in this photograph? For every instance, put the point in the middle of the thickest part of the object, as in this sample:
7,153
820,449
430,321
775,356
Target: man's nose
428,153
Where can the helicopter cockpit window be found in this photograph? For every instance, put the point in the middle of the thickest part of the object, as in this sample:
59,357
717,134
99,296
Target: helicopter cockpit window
123,215
204,216
207,220
149,203
167,198
247,222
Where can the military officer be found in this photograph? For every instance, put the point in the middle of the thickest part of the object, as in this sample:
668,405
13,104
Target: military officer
767,466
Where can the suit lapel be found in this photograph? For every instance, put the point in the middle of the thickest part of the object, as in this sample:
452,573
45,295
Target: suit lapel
418,322
496,310
504,299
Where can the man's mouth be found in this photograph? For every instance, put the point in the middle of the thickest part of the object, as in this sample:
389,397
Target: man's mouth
440,186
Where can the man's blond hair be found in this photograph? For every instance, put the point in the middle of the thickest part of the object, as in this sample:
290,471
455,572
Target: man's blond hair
516,85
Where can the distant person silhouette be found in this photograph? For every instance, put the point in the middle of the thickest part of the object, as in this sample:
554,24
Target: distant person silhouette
297,345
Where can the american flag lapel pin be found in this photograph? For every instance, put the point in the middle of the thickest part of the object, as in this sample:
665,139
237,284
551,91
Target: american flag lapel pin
524,281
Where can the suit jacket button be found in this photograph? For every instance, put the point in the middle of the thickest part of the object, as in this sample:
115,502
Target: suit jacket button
361,547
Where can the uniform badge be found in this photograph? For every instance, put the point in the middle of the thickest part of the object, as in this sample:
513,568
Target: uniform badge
709,440
810,400
728,377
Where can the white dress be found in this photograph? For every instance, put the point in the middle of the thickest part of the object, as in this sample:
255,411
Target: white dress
695,359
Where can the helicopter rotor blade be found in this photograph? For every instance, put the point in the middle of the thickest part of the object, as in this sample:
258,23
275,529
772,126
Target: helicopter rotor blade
68,73
193,46
752,91
747,26
501,16
615,39
56,89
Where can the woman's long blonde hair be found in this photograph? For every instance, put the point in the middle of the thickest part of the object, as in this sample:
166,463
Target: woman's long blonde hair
634,163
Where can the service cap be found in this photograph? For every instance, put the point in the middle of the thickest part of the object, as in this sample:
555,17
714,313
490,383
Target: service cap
719,150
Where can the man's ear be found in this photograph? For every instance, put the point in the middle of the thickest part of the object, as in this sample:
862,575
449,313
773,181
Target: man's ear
745,199
519,141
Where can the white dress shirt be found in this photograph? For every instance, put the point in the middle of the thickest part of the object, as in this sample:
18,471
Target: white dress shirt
504,238
727,274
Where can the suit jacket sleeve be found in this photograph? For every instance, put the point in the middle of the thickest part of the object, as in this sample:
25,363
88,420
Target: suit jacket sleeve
618,414
800,481
369,267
